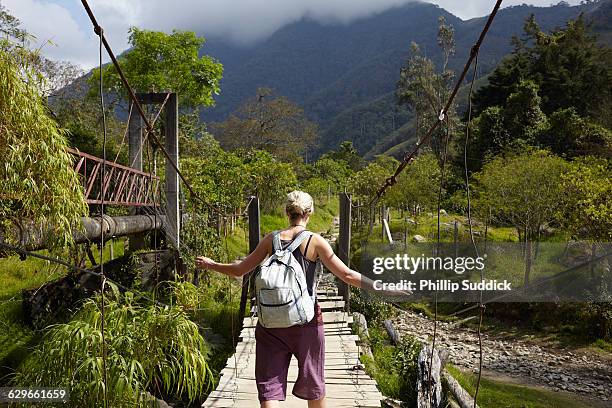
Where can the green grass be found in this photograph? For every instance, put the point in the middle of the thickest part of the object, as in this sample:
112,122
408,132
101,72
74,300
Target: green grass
497,394
382,368
16,337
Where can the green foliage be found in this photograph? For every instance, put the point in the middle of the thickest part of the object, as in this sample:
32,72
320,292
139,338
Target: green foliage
160,62
37,179
348,154
366,182
568,66
218,177
417,186
516,125
269,179
325,177
587,188
394,367
570,135
150,349
522,190
424,89
375,311
271,123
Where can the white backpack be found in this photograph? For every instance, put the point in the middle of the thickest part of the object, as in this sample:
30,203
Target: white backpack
280,286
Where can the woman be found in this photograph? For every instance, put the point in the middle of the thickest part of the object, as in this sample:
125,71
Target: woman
274,346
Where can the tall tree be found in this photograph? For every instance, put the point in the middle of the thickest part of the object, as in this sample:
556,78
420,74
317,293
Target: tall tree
271,123
570,68
522,190
160,62
425,90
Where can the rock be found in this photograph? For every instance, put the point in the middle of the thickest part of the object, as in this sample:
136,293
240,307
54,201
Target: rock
418,239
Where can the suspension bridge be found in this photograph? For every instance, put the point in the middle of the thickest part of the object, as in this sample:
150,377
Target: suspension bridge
106,182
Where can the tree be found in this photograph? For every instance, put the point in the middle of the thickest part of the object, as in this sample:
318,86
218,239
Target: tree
327,176
347,153
587,209
522,190
160,62
269,179
425,90
514,127
570,135
37,178
366,182
568,66
417,187
271,123
219,177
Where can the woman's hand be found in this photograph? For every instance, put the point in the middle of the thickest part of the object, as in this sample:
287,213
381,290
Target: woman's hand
203,262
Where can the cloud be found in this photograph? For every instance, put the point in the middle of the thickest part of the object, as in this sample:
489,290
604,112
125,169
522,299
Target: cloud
241,21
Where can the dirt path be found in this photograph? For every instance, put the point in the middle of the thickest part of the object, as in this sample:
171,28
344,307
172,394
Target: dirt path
586,374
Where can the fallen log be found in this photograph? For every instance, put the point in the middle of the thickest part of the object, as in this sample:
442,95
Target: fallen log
393,334
464,399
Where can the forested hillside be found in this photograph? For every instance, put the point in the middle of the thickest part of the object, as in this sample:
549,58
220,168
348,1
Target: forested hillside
344,76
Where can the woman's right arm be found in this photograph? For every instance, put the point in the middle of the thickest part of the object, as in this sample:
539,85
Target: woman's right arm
339,268
346,274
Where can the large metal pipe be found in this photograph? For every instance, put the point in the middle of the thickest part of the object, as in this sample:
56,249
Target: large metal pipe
32,237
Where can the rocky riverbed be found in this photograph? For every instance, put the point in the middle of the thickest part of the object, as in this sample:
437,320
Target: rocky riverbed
585,373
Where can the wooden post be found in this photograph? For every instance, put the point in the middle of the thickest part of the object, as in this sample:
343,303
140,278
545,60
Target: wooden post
456,238
254,237
527,262
344,242
172,178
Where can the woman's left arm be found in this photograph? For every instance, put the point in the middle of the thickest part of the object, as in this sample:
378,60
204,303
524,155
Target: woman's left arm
242,267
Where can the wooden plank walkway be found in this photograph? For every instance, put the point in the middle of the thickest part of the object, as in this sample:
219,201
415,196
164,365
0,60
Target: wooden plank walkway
346,383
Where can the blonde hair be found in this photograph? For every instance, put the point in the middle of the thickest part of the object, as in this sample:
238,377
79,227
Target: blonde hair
299,204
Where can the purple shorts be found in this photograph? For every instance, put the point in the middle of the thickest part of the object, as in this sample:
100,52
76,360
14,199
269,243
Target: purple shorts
274,348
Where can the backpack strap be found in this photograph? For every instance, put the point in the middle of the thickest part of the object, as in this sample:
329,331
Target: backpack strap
276,241
297,241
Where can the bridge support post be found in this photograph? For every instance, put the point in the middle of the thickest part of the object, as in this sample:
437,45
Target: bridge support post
172,177
344,242
135,144
254,237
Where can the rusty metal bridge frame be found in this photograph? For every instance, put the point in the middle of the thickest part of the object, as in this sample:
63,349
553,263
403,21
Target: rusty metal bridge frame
123,185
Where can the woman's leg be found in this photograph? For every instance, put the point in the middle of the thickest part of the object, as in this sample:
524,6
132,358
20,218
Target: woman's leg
320,403
270,404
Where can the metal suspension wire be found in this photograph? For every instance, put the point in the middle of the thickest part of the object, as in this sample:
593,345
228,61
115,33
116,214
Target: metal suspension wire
438,250
469,211
409,156
102,194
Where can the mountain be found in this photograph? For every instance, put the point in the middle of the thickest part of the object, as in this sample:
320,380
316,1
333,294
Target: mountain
344,75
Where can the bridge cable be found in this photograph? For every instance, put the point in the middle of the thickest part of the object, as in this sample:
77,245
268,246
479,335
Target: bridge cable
438,251
481,306
102,196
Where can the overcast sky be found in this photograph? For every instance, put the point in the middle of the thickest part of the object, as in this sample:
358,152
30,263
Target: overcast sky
65,24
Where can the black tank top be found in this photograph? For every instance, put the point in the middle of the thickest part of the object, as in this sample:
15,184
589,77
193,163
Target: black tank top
309,267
